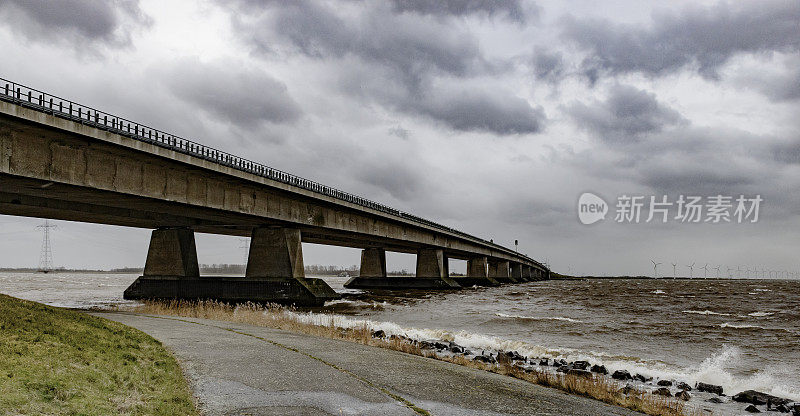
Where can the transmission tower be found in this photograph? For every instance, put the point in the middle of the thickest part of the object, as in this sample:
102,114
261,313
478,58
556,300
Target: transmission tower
46,255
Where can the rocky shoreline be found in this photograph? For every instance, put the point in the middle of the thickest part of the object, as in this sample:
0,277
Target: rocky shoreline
749,400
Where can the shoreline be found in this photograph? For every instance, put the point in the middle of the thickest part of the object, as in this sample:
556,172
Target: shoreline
580,383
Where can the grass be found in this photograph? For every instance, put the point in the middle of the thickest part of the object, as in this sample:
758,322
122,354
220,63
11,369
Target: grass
274,316
55,361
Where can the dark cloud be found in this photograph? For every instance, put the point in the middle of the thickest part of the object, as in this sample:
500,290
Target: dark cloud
626,116
397,59
705,38
786,152
510,9
412,47
399,132
490,111
76,22
399,178
548,66
226,91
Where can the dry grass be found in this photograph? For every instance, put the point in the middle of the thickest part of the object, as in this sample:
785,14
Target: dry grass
274,316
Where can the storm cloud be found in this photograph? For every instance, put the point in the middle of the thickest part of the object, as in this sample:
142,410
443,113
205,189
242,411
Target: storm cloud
627,115
510,9
230,93
703,39
81,23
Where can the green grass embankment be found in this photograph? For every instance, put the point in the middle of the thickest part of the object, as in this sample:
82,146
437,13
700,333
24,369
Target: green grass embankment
56,361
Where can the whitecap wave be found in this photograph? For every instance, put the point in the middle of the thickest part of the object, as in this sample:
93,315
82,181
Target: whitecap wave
706,312
760,314
717,369
658,292
739,326
539,318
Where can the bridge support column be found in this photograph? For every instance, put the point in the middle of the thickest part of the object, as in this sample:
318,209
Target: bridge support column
516,272
527,273
500,272
172,253
274,271
433,270
477,273
372,273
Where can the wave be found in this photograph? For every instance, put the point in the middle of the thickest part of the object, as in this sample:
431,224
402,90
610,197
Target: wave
539,318
716,369
760,314
740,326
707,312
658,292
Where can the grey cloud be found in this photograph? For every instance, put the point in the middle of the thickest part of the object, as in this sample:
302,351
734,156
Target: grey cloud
784,87
229,93
471,110
786,152
393,176
412,47
703,37
511,9
398,58
548,66
399,132
77,22
626,116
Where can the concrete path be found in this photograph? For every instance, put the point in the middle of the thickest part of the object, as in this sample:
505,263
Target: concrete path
237,369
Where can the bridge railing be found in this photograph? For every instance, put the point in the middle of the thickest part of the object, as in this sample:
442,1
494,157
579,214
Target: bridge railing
66,109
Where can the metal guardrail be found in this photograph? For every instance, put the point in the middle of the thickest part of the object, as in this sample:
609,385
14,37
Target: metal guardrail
32,98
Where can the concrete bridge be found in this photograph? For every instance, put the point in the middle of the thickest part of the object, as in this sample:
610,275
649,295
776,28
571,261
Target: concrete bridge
62,160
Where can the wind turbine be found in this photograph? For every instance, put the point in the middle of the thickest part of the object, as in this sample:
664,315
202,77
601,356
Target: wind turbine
738,272
717,269
655,268
691,270
674,273
705,273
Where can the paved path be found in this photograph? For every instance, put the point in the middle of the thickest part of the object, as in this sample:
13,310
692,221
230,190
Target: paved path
237,369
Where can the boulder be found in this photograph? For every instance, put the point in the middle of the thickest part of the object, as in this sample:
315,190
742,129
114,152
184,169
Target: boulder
759,398
642,378
378,334
683,395
599,369
621,375
709,388
752,409
796,411
544,361
428,345
664,383
559,363
564,369
485,359
683,386
716,400
782,408
662,391
628,389
579,373
580,365
456,349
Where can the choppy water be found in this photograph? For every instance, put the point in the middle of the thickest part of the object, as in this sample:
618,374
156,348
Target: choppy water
741,334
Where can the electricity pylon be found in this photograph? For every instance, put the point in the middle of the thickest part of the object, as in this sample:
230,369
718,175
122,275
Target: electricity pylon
46,255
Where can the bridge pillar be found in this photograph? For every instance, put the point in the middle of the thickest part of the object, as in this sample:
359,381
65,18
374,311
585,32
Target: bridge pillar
173,253
432,272
500,272
527,273
372,272
274,271
516,272
477,273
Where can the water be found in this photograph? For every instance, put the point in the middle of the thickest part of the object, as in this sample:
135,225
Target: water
741,334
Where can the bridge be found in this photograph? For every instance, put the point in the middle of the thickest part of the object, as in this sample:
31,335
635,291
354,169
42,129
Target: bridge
63,160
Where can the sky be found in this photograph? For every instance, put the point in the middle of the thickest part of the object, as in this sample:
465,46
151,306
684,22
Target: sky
491,117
